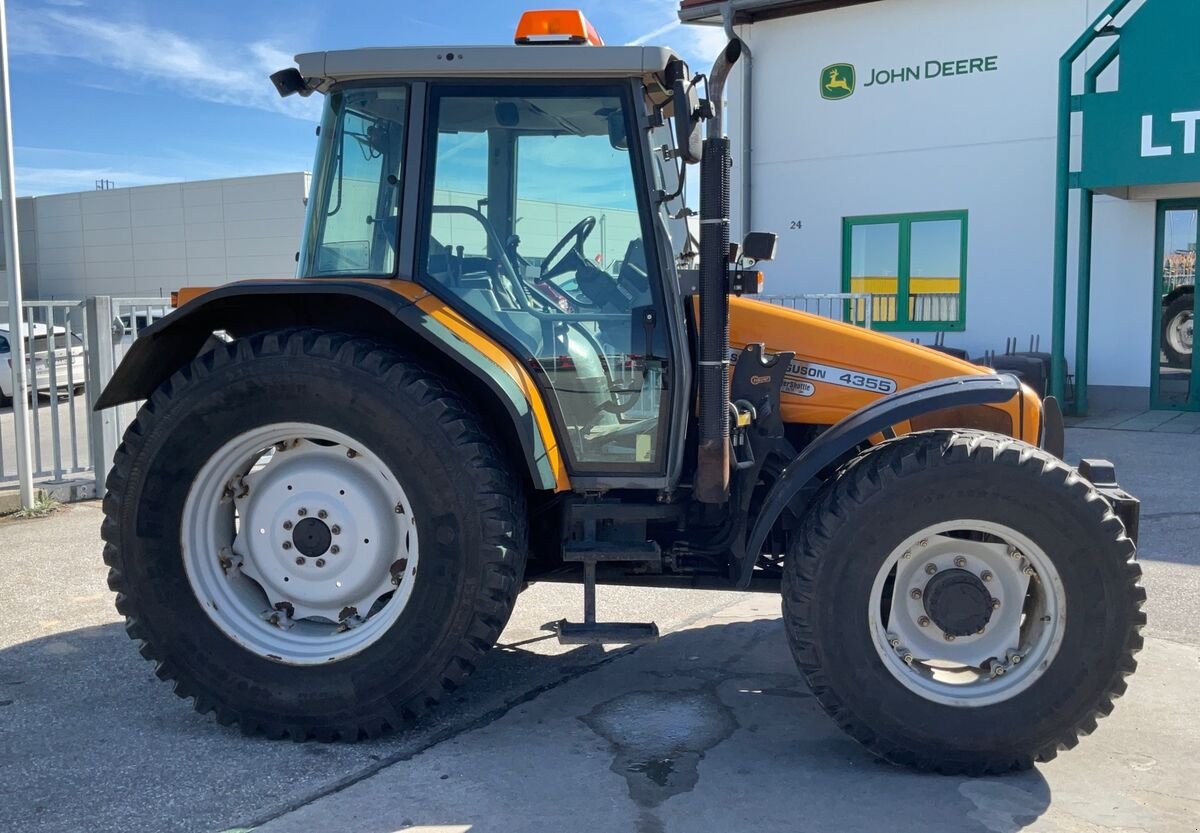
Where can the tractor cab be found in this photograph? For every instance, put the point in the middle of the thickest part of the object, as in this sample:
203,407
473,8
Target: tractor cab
532,188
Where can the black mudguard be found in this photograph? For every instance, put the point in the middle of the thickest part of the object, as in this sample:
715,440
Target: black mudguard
845,437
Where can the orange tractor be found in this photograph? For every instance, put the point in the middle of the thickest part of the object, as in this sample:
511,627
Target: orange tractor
503,364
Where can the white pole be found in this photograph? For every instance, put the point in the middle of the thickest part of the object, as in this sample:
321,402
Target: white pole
12,254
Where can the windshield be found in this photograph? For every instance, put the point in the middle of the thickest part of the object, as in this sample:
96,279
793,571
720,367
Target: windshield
354,209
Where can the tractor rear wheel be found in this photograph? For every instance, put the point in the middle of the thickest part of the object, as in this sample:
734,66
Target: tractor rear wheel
312,536
963,602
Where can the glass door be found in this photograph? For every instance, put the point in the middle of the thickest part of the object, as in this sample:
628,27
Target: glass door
1173,382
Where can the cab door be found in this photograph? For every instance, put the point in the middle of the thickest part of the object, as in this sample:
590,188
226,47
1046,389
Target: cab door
535,223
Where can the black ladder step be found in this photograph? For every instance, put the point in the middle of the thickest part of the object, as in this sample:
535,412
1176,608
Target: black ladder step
601,633
648,552
591,632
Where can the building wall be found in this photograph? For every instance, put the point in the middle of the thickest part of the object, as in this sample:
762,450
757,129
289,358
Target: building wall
983,142
149,240
27,240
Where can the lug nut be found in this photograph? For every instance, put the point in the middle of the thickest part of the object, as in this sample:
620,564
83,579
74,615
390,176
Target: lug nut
287,524
351,453
907,554
985,575
915,593
930,569
960,561
320,562
302,511
335,529
908,659
949,637
287,545
1016,658
923,621
335,549
895,643
300,560
924,542
322,514
998,671
995,604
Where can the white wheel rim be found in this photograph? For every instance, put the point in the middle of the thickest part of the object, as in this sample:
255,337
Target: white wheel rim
260,564
1018,642
1181,332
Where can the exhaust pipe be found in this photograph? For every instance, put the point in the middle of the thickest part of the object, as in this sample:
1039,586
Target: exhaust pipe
712,463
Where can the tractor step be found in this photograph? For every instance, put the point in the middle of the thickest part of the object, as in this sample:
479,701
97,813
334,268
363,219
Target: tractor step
602,633
591,632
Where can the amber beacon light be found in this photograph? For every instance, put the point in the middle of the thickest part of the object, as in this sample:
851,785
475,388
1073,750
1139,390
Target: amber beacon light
557,26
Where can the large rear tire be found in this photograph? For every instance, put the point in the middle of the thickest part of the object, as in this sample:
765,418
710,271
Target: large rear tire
227,502
926,600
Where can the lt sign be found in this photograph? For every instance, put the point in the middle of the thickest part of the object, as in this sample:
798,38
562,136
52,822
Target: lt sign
1141,131
1188,118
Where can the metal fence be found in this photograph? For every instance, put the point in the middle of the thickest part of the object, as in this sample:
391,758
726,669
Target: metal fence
73,347
850,307
71,350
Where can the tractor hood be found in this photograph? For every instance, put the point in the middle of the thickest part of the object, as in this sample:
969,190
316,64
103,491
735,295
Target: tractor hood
839,368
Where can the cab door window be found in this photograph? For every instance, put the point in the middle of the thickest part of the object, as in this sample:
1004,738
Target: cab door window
533,223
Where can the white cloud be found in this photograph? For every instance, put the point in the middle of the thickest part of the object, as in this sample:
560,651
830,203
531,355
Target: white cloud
235,74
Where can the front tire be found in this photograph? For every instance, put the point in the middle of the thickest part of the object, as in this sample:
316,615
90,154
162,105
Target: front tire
227,500
963,602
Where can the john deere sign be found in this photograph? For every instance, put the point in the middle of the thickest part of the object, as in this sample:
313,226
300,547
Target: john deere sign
1144,132
840,80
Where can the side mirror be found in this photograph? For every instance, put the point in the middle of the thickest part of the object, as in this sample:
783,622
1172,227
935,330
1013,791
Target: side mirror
760,246
687,121
289,81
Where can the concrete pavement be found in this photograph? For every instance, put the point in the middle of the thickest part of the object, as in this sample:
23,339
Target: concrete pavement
710,729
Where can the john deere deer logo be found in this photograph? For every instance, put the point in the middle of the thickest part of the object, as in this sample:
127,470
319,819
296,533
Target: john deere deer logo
837,81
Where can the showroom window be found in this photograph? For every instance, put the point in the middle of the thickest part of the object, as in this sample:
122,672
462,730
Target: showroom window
913,265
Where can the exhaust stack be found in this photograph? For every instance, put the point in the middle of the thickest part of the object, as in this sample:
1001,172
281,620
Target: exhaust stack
713,463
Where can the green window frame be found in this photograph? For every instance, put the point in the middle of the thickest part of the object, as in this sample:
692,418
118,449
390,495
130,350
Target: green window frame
897,315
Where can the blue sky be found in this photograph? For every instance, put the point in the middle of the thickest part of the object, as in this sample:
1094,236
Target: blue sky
145,91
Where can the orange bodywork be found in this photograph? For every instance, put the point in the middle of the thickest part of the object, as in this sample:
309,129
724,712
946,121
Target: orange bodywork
840,368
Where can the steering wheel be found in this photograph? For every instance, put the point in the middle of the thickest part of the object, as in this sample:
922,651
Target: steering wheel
578,233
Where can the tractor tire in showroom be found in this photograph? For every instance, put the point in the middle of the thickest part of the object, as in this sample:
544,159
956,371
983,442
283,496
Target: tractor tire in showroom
1179,330
963,602
312,536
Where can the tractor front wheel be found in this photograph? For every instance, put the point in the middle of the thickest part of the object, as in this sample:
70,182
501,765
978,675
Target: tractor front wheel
963,602
311,535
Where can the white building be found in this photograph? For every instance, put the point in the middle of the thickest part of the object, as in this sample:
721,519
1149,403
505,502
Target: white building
150,240
909,148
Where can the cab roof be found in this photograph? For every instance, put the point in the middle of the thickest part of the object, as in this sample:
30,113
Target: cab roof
323,69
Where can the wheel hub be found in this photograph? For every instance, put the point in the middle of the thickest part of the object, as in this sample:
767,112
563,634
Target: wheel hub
958,602
311,537
300,543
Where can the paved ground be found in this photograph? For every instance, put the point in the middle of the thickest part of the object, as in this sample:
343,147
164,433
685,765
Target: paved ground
710,729
1165,422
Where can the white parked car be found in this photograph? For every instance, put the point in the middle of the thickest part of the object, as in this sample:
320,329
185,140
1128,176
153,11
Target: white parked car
57,371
